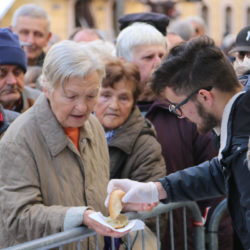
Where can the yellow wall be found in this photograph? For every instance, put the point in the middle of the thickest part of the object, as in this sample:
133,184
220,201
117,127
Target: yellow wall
102,12
217,16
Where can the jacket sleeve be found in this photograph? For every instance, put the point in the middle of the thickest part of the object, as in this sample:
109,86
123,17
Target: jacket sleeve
146,161
23,213
241,173
195,183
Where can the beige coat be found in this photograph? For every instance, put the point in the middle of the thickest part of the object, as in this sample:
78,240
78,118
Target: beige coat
136,139
42,174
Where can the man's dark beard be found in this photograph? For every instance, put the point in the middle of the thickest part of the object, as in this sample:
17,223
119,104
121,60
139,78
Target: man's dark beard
209,121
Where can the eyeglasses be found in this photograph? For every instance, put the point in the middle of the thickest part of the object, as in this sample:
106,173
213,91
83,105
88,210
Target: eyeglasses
176,108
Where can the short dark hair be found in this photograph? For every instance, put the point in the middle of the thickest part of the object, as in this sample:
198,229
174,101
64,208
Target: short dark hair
117,70
195,64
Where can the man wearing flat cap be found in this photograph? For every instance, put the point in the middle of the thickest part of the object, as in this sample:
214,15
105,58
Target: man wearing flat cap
242,56
159,21
13,64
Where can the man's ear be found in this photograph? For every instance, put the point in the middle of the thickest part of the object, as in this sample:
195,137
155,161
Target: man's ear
206,97
46,92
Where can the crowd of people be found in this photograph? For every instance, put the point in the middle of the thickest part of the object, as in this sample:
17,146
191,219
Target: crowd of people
85,116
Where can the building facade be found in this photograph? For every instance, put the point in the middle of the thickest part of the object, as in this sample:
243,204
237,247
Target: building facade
221,16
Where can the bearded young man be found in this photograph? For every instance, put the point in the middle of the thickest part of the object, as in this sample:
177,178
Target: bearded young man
201,85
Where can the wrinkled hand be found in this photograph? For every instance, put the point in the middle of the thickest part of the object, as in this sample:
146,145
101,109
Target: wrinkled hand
98,227
136,192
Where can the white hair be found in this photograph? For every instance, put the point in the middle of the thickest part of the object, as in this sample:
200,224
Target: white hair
68,59
198,20
33,11
103,49
182,28
135,35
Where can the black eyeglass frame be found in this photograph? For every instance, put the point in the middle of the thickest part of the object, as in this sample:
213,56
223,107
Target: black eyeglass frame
173,107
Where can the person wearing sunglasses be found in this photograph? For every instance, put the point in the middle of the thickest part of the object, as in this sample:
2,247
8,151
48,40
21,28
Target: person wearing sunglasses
199,81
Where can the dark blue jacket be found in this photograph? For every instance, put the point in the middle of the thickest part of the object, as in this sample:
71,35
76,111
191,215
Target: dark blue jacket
245,80
229,176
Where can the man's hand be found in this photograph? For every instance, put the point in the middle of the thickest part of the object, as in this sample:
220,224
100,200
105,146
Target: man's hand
139,207
136,192
99,228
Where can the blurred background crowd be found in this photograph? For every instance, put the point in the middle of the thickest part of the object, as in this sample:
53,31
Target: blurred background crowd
221,17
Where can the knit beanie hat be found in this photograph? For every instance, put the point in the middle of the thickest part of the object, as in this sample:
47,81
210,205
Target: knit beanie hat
11,51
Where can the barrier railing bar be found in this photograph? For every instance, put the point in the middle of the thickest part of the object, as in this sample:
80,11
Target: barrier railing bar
143,239
213,226
199,238
81,233
163,208
78,245
171,230
158,232
113,243
96,242
55,240
129,242
184,228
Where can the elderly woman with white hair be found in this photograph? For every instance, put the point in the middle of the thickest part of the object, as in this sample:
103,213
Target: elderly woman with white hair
54,166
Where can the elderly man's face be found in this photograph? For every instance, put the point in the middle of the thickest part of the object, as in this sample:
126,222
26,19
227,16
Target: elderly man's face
73,104
35,32
115,104
11,84
147,58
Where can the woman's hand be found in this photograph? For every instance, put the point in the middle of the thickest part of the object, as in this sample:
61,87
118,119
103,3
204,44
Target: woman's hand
98,227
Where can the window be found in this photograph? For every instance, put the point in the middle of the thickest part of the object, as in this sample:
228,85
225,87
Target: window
228,21
248,16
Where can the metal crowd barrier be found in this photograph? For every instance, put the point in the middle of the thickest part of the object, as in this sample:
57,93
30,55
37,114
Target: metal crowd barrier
81,233
213,226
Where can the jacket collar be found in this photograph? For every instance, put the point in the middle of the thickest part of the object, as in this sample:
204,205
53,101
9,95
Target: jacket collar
225,121
52,131
127,134
158,104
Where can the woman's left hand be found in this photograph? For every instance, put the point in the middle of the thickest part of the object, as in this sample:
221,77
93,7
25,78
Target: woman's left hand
98,227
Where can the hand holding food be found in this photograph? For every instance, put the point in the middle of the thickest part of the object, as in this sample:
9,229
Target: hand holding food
136,192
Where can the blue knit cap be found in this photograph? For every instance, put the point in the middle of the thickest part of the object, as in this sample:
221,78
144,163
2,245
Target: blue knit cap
11,51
